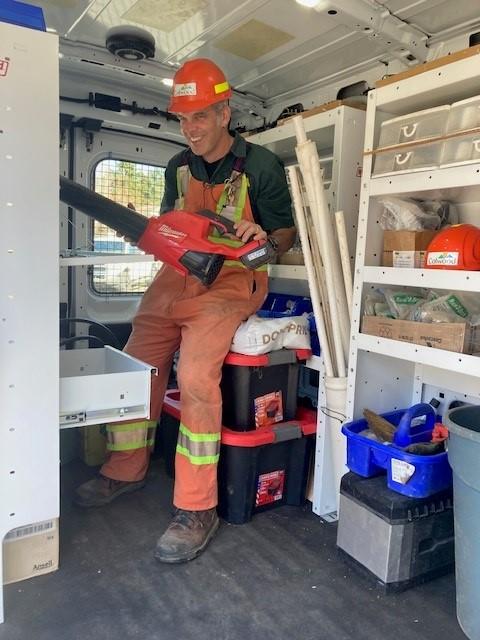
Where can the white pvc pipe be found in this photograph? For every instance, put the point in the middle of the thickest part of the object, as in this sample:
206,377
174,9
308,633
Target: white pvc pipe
331,248
304,153
304,238
345,258
325,242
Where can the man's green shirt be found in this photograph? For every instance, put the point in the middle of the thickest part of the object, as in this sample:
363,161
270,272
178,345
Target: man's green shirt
268,190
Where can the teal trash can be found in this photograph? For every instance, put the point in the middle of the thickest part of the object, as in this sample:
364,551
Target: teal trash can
464,456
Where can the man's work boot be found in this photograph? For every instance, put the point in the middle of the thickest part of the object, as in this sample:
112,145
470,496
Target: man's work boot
102,490
187,535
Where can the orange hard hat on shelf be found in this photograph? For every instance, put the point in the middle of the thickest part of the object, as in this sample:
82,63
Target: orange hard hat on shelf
198,84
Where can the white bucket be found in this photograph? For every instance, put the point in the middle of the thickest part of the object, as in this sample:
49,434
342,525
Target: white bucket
335,415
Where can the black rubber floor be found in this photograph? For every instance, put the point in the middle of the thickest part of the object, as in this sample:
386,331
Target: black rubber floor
277,577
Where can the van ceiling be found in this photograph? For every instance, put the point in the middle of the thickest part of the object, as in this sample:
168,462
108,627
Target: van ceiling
267,48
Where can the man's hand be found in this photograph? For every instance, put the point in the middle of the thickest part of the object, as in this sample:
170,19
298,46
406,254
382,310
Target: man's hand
247,230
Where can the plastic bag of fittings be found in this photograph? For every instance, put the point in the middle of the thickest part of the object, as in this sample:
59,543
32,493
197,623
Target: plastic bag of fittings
376,305
402,302
261,335
450,307
404,213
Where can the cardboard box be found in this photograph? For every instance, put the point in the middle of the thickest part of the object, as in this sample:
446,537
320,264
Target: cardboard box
30,551
406,248
450,336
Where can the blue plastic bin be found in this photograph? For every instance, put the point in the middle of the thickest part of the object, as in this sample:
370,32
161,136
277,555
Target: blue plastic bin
22,14
281,305
369,458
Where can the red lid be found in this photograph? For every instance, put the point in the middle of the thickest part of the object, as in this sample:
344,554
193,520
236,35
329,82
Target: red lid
306,420
261,360
171,403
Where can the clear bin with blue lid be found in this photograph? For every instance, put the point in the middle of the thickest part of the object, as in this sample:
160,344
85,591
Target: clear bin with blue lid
414,475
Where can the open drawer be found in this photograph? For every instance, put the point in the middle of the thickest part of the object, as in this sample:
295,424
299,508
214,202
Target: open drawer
102,385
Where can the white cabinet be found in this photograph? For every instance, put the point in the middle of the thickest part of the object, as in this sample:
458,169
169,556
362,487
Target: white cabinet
385,374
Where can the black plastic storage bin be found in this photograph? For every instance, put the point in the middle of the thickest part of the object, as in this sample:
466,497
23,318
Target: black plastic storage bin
258,470
399,540
260,390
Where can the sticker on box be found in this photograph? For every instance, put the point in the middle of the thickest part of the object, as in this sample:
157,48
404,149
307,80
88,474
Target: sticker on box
402,471
268,409
270,487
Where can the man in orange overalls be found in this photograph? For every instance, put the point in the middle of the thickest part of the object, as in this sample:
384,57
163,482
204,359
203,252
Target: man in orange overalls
245,182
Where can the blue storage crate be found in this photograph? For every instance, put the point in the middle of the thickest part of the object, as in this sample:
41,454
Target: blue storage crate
281,305
367,458
22,14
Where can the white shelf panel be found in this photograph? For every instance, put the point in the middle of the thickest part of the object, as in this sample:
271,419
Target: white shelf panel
81,261
441,85
460,183
446,360
429,278
290,271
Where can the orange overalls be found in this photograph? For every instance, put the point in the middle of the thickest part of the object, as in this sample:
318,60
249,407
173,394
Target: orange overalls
179,312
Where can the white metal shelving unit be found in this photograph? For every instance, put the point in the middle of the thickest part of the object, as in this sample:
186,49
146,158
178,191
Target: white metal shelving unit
338,131
29,383
386,374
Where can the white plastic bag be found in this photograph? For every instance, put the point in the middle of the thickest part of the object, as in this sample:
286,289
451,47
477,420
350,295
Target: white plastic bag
261,335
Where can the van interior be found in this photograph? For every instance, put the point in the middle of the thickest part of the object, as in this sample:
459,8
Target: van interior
90,103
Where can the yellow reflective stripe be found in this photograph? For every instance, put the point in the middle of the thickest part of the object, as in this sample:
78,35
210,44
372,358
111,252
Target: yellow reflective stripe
131,426
130,436
199,448
230,242
221,87
129,446
237,264
199,437
198,460
183,179
239,197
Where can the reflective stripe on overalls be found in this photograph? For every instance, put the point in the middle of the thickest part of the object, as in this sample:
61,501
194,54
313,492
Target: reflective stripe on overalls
133,435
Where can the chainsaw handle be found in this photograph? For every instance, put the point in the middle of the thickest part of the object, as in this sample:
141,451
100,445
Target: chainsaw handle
221,223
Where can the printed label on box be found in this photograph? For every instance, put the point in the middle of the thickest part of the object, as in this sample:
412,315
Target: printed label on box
30,530
402,471
270,487
409,259
268,409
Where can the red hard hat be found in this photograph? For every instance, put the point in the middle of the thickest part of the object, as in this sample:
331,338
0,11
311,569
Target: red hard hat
455,247
198,84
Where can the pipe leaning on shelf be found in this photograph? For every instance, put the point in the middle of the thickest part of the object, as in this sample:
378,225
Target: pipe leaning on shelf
323,234
323,226
312,279
345,259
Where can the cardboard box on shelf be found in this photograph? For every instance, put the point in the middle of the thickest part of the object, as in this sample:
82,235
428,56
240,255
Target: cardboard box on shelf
406,248
30,551
450,336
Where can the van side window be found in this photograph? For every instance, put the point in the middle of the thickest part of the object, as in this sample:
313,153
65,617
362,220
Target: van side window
130,184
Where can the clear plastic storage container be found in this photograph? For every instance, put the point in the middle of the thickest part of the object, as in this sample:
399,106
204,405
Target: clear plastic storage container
422,156
420,125
464,116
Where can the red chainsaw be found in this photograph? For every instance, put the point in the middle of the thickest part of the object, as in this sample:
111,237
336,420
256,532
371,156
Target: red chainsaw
179,238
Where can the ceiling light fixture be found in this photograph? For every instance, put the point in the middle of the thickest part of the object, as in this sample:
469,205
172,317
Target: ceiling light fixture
308,3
